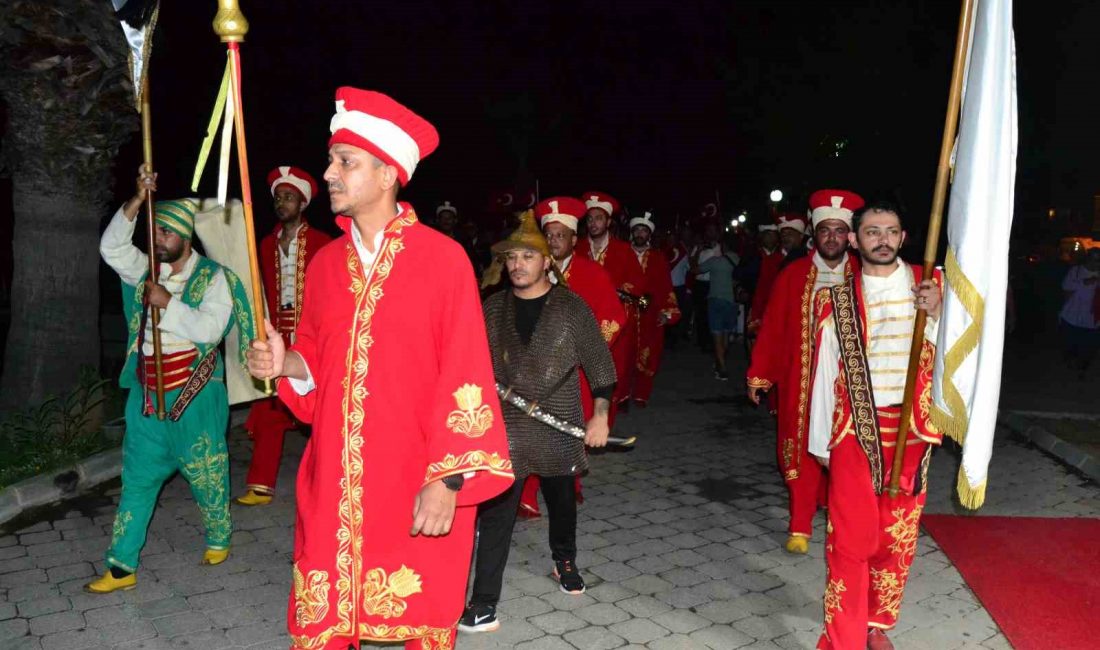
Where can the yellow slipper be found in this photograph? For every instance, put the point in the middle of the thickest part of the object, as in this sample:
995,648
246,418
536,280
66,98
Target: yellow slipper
797,544
107,583
254,498
214,556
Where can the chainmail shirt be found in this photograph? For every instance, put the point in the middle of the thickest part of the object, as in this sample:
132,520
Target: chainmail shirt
566,336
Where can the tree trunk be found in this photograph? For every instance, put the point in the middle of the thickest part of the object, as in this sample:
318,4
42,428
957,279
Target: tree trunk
55,294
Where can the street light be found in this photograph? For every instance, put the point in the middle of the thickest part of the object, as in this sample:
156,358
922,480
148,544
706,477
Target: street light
776,196
742,219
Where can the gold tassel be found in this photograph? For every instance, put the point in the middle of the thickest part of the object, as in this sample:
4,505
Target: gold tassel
971,498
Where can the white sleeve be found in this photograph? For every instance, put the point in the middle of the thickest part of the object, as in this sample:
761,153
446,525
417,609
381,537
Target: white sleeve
117,248
822,397
205,323
303,386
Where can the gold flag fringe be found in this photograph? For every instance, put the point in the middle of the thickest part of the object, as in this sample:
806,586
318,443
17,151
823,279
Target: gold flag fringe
971,498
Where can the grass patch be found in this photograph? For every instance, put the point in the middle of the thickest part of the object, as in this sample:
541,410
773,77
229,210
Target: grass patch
59,431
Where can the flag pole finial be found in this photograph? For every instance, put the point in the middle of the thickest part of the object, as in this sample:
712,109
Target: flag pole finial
229,23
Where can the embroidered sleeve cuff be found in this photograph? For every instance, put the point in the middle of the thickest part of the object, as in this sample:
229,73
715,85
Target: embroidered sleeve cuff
759,382
468,464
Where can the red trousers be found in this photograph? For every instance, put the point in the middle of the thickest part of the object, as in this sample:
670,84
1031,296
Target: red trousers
806,493
870,541
268,422
651,346
624,352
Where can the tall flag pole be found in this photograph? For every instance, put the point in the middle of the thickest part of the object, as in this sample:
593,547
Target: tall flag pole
231,26
967,380
935,220
138,20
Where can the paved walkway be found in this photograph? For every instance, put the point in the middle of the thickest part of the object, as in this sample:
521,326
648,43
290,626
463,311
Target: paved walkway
680,544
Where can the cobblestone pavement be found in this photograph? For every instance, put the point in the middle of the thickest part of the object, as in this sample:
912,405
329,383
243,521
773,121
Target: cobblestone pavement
680,542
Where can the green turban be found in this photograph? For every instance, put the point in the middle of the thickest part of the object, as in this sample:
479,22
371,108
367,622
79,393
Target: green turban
177,216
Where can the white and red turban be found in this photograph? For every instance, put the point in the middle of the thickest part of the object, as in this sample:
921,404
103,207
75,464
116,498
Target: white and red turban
601,200
560,209
834,204
644,220
792,220
295,177
389,131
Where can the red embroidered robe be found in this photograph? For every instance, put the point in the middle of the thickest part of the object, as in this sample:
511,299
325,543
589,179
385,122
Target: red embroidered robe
783,356
268,419
770,264
651,334
620,262
404,396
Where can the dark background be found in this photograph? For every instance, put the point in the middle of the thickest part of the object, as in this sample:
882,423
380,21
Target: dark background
661,104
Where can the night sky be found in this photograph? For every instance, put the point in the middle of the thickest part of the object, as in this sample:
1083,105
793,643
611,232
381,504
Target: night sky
660,104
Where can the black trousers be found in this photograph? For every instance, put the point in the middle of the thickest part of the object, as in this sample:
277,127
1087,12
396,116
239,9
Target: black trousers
497,517
703,337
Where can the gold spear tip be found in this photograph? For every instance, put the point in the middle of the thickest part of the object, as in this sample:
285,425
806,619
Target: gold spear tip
229,23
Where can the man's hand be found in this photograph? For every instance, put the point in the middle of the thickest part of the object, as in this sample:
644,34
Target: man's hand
662,319
267,358
596,430
754,395
824,462
928,298
146,182
433,510
156,295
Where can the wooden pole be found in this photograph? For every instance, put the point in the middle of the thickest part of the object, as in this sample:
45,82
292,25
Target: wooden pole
231,26
935,222
151,228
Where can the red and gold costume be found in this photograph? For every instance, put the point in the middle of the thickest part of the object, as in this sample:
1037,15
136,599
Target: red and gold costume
400,393
651,331
269,419
782,360
770,265
863,333
620,262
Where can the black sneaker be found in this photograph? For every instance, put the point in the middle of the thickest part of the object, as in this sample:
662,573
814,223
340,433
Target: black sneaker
570,578
479,618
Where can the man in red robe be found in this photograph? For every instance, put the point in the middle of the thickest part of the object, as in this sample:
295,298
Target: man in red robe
615,256
864,329
391,366
284,256
661,310
791,228
781,358
559,217
767,260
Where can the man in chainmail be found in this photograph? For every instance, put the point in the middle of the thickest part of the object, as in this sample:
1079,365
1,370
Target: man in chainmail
539,335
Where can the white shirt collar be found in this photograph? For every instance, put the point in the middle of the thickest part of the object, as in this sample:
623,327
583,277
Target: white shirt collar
822,266
185,272
897,278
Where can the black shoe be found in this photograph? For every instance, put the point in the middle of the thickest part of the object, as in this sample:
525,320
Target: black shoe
479,618
721,375
570,578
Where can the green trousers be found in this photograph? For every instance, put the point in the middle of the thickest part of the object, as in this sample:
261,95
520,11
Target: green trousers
154,450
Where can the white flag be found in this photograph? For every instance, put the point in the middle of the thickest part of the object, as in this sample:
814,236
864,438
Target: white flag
969,351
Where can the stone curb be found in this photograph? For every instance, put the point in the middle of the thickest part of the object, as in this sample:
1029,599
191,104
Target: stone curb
59,484
1067,453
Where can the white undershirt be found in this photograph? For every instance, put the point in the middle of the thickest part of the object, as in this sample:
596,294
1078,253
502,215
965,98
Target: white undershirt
288,268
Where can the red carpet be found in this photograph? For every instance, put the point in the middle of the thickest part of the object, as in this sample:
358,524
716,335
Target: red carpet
1038,578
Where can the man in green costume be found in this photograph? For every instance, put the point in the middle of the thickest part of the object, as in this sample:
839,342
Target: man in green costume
199,302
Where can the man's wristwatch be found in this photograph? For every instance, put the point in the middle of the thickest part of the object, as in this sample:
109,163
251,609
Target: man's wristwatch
454,482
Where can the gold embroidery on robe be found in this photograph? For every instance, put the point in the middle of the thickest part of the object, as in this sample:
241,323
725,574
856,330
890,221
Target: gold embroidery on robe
472,418
889,590
832,599
608,328
472,460
310,596
385,595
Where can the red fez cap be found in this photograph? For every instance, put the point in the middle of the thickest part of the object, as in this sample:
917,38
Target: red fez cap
377,123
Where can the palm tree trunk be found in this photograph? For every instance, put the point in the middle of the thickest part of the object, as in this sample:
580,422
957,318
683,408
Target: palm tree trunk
55,293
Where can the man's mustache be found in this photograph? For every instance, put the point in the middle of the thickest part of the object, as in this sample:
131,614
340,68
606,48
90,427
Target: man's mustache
883,247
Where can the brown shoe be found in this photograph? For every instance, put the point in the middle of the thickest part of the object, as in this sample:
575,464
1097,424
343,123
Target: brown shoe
877,640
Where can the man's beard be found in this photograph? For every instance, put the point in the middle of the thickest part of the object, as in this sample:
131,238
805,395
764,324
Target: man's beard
165,256
641,242
831,257
286,217
525,280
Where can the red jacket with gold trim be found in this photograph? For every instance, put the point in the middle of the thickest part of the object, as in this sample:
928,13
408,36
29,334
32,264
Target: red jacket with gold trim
310,240
404,395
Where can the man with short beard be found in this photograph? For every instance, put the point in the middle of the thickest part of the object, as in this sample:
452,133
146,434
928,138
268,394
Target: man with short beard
783,352
615,256
662,310
559,217
863,332
284,256
200,301
541,336
391,367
